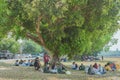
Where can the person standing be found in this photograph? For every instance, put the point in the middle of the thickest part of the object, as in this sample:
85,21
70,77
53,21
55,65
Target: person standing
46,59
102,58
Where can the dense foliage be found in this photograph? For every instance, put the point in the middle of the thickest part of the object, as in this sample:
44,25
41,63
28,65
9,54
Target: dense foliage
9,44
62,26
31,47
26,46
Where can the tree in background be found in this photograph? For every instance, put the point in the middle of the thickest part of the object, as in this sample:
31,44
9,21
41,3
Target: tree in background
31,47
9,44
13,46
62,26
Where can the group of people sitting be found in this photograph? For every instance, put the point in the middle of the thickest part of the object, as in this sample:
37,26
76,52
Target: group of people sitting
54,68
49,68
76,67
110,66
96,68
60,68
24,63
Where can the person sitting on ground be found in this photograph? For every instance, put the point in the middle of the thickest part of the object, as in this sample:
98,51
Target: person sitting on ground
24,63
28,63
117,67
17,63
101,70
54,68
108,68
32,63
113,67
61,69
21,61
81,67
74,66
46,68
91,70
37,64
86,69
95,66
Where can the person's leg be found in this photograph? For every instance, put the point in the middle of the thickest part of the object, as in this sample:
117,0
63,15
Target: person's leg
38,67
45,63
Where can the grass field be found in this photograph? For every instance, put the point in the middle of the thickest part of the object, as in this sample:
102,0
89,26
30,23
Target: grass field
10,72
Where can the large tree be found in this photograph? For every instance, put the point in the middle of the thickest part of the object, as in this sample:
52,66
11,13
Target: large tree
62,26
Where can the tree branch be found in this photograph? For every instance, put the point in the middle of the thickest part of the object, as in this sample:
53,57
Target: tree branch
35,39
38,31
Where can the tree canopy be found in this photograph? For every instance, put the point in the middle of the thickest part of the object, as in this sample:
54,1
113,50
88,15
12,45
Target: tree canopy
62,26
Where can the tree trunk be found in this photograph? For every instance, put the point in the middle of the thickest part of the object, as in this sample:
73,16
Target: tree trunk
55,58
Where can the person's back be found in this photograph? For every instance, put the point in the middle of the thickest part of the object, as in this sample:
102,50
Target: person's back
90,70
82,67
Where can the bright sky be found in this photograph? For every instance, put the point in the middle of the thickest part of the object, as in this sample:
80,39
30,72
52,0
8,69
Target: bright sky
117,46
